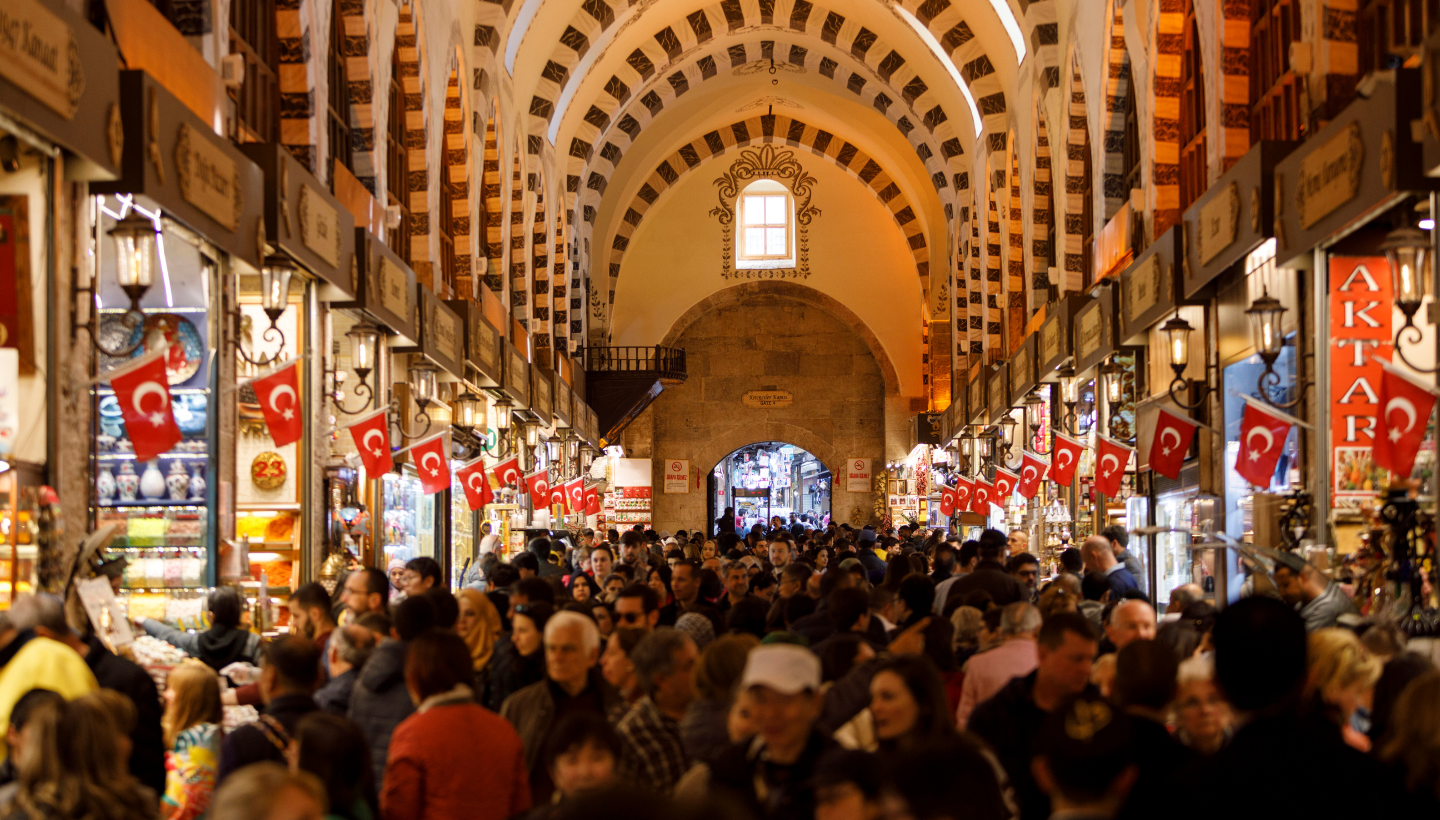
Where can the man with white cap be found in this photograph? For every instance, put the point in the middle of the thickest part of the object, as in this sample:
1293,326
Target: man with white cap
771,774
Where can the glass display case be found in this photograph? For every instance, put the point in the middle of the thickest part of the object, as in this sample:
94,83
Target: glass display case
19,487
408,524
462,529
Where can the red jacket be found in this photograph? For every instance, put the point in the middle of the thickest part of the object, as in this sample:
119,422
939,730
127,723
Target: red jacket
455,761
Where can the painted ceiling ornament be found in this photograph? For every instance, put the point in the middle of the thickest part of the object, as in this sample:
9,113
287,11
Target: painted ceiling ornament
770,67
779,165
768,102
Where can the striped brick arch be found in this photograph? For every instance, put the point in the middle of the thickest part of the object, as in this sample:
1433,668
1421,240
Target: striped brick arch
614,123
1077,182
1169,50
358,75
1016,292
975,289
540,267
994,313
1117,86
559,287
417,185
492,208
299,128
457,156
769,129
1041,215
519,268
1040,21
1234,83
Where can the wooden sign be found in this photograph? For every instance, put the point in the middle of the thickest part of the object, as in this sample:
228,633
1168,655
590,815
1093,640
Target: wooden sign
209,178
394,289
1089,333
38,53
1142,288
320,226
1220,222
448,334
768,398
1330,175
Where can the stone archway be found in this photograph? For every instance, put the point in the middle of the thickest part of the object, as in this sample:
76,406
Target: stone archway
714,507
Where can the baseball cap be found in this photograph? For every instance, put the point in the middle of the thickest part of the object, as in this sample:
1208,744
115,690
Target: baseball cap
786,668
664,534
867,535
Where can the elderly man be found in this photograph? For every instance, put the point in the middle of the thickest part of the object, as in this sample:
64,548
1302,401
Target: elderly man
1181,597
772,774
1016,657
1131,621
572,648
664,664
1099,557
1319,602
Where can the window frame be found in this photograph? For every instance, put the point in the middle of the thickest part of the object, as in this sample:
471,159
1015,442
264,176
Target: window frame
766,188
397,163
337,103
257,101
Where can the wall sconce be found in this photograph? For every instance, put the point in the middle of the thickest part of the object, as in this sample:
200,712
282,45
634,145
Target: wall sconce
364,342
275,273
1265,315
1177,344
1408,252
502,409
422,389
467,410
1069,396
1034,420
136,240
986,443
587,457
1007,426
554,448
1113,375
968,450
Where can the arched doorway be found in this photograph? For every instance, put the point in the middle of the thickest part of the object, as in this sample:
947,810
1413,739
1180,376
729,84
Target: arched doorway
770,479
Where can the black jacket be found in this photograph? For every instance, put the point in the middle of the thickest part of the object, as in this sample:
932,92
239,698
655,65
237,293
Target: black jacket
380,700
790,795
147,757
510,672
1010,722
334,696
1161,759
257,742
991,577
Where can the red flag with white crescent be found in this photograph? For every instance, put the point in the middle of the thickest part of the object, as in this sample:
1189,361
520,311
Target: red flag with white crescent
1405,407
592,501
1111,458
144,397
1262,438
372,439
507,473
279,397
575,496
1064,458
476,484
1031,469
981,496
1173,434
947,501
537,484
1004,485
432,463
557,496
964,491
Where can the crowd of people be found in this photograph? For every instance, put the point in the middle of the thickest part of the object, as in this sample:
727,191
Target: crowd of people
840,674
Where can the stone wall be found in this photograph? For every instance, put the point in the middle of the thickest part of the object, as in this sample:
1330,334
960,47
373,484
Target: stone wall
765,341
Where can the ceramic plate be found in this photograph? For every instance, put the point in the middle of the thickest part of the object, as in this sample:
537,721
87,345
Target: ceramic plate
186,352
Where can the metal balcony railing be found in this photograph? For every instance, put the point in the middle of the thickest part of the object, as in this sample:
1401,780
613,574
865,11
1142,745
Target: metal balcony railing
662,362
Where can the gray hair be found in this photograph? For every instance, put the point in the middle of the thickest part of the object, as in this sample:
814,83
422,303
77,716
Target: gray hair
251,793
40,609
1019,618
589,632
1198,668
1115,613
353,644
654,656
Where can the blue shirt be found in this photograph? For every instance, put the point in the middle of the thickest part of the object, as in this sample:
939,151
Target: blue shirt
1120,581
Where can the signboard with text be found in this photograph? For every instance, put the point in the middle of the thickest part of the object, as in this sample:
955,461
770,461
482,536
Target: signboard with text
857,475
677,476
1360,330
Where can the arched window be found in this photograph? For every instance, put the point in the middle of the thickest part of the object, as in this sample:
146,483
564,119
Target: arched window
766,239
1194,171
339,94
1275,90
257,99
397,162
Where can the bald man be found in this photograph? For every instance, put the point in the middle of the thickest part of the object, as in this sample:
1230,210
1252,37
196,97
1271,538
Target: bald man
1017,543
1098,557
1129,622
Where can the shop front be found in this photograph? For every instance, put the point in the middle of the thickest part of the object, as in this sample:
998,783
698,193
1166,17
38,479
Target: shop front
1356,223
172,238
510,516
1094,343
60,121
1054,356
473,434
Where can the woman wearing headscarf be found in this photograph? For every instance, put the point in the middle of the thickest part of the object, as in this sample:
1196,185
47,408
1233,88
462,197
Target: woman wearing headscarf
479,626
395,570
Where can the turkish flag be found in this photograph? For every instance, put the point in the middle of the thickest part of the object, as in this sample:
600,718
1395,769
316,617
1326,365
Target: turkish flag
1004,485
1173,434
475,483
592,501
575,496
1111,458
279,397
964,491
372,439
144,399
947,501
432,462
1262,437
537,484
1405,407
507,473
1064,458
557,496
980,498
1031,469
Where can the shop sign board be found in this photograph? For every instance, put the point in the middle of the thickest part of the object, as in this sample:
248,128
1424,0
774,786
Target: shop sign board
564,403
999,392
857,475
384,289
395,288
38,53
1095,330
1361,313
517,376
1330,175
677,476
477,341
929,428
1147,288
320,225
1219,222
541,393
977,399
1231,219
1022,369
1053,344
768,398
304,221
209,178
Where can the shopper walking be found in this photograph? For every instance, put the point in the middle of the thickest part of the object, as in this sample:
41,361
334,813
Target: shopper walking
380,700
192,724
289,671
224,643
987,672
653,751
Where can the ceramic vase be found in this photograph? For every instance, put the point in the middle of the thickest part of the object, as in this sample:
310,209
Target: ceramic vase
127,484
152,482
197,483
177,481
105,485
